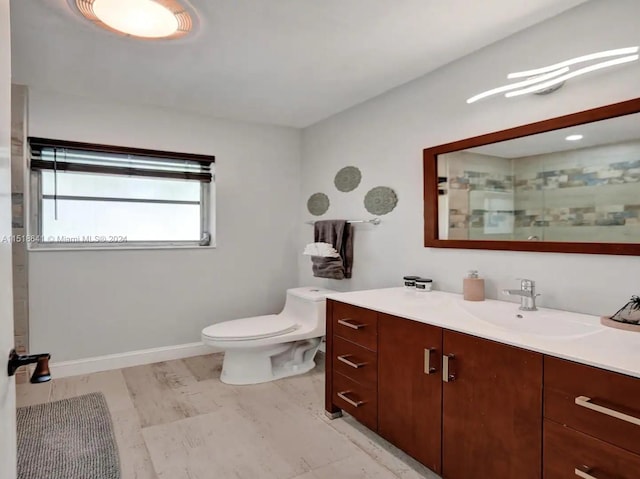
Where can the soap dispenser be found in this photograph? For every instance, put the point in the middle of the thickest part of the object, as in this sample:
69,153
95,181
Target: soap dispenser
473,287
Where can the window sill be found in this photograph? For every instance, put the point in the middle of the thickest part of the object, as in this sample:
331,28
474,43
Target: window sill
48,248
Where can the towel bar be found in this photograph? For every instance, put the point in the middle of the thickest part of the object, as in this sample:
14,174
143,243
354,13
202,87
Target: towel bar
373,221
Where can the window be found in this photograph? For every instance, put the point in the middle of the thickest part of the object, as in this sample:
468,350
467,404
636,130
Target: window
97,195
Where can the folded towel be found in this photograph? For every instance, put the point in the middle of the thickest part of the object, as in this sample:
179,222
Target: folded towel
338,233
331,268
321,249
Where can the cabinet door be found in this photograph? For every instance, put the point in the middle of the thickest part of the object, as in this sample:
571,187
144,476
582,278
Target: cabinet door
492,410
410,387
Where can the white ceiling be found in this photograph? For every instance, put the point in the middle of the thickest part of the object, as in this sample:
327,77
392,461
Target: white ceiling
286,62
613,130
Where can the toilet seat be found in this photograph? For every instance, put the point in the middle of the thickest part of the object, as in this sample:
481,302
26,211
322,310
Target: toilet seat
258,327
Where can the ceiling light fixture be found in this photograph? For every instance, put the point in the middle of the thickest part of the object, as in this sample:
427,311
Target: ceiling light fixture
520,84
149,19
573,61
550,78
574,137
582,71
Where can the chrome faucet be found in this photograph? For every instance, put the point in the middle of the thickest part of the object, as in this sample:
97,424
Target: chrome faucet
527,293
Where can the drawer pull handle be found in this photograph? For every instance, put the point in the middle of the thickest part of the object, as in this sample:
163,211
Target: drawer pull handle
585,401
584,474
428,369
343,395
344,359
446,375
346,322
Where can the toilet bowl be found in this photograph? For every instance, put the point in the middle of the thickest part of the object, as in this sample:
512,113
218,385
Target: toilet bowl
265,348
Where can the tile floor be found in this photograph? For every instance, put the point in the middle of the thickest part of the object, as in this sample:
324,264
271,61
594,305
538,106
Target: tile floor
176,420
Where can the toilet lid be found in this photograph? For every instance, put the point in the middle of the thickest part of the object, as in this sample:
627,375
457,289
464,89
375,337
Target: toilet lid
257,327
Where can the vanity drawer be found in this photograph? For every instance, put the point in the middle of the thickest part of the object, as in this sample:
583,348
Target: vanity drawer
355,362
600,403
358,325
357,399
571,454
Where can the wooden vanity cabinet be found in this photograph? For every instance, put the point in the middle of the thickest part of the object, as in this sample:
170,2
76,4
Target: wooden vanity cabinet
352,362
491,409
592,422
569,453
468,407
410,387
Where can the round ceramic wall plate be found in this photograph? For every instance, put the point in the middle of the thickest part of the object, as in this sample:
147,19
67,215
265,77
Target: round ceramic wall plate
380,200
347,179
318,204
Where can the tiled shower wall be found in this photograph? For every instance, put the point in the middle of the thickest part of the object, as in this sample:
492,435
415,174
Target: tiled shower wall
18,202
470,173
589,193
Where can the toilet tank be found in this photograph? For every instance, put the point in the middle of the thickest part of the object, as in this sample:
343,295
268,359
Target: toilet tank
307,305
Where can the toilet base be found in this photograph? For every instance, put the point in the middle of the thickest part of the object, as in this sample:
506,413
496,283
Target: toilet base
259,365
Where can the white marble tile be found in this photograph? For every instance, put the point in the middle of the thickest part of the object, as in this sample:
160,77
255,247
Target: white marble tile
28,394
290,429
135,462
166,392
176,420
220,444
307,389
358,466
380,451
205,367
110,383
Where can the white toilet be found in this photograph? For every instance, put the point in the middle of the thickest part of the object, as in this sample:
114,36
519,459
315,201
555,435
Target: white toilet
264,348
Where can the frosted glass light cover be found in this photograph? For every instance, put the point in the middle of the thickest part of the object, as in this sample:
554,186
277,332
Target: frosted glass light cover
141,18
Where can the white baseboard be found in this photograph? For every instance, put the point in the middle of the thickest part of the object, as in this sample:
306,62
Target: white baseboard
124,360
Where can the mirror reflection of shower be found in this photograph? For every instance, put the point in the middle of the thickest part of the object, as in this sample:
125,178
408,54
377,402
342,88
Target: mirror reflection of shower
578,184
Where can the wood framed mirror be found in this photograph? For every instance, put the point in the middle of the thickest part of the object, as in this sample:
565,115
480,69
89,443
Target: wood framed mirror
569,184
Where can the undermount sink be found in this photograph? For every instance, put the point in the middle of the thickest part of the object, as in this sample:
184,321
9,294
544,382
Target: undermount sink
544,322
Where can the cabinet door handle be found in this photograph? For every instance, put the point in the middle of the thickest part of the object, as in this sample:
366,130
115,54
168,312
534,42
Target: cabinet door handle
346,322
428,368
447,375
584,474
343,395
585,401
344,359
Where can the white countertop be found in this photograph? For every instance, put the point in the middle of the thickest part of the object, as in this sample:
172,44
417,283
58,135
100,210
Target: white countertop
602,347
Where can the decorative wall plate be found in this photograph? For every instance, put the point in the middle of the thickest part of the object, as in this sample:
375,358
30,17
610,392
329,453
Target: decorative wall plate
318,204
347,179
380,200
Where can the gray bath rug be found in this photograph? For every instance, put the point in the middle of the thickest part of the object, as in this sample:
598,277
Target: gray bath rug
68,439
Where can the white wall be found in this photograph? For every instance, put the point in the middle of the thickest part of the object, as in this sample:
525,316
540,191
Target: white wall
385,138
91,303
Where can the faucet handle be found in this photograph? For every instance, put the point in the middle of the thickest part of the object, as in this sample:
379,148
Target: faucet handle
526,284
